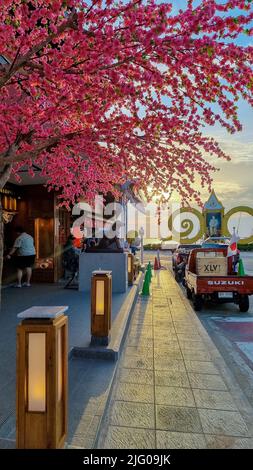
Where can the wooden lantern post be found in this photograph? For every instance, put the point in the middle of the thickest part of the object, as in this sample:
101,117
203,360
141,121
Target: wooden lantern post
130,268
101,307
42,378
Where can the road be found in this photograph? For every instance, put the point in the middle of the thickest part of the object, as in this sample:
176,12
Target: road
230,330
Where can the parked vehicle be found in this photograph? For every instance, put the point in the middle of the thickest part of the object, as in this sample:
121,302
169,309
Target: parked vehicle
212,242
210,276
169,245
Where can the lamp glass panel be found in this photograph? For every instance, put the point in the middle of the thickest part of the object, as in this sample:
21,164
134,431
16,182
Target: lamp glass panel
37,372
129,264
60,364
100,297
5,202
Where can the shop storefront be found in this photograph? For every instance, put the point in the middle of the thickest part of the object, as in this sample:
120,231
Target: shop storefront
35,209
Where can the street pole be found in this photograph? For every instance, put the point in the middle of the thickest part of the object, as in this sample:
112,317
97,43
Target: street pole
126,217
141,232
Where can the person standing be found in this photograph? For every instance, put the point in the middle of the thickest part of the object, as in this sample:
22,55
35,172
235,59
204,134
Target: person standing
25,250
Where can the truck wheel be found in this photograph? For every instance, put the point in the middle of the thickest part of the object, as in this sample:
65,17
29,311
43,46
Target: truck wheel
244,303
197,302
188,293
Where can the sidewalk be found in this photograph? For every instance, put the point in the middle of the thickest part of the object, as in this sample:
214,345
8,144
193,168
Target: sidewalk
172,388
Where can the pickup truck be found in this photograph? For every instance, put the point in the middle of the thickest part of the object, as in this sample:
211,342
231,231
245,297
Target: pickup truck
211,285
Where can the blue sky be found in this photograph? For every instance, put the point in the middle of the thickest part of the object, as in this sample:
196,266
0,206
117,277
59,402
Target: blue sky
234,182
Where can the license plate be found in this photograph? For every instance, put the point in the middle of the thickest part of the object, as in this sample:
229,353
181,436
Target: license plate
225,295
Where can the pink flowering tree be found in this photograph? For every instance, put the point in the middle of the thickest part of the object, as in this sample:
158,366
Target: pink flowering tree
99,92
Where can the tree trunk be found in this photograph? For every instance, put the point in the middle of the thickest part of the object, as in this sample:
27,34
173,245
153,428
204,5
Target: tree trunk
1,248
4,176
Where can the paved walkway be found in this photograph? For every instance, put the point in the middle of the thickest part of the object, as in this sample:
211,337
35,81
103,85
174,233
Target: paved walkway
173,389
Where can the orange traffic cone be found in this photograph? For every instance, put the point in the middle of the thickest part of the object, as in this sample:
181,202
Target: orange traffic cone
158,259
156,265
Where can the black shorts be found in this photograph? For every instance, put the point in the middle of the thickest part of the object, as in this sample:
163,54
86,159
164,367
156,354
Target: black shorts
22,262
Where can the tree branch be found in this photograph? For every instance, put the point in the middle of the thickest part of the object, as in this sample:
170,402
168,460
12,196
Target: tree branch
11,156
5,175
23,60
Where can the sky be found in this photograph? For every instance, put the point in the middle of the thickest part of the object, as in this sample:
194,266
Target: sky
235,178
233,183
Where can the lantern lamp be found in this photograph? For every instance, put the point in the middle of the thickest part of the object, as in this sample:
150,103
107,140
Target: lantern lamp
42,378
101,307
130,268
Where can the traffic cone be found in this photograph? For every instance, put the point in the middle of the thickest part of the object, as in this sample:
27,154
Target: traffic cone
149,269
241,271
156,265
158,259
145,287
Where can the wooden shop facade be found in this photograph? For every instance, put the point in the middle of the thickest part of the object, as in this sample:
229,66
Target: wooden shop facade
35,209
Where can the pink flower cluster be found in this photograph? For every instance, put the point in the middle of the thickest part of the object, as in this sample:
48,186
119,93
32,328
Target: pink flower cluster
98,93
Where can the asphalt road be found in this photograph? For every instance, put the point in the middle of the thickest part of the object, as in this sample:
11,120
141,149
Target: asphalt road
232,333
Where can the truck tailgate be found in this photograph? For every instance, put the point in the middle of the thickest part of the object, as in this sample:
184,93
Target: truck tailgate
239,284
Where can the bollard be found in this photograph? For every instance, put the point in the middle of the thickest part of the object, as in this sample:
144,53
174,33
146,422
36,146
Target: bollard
42,378
101,307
